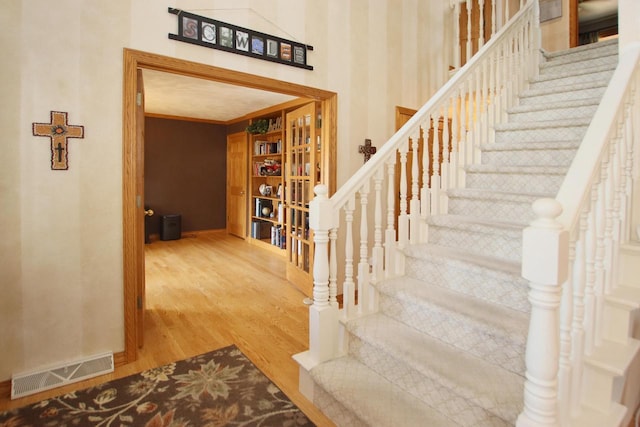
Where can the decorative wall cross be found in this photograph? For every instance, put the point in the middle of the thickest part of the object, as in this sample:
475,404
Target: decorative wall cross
58,131
367,149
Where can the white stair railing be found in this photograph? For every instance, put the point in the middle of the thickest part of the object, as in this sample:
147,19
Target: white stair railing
478,16
570,256
348,227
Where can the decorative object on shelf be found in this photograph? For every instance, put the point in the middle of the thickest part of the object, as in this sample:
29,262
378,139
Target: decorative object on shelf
265,190
367,149
266,211
58,131
207,32
258,126
270,167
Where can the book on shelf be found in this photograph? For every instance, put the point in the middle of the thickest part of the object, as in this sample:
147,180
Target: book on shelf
268,147
260,230
277,236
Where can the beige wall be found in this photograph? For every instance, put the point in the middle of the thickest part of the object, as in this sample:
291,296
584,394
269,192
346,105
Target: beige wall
61,246
555,32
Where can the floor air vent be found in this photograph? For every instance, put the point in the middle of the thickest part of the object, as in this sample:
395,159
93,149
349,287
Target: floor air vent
35,382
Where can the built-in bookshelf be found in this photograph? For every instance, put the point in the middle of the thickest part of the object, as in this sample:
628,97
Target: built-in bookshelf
288,159
267,185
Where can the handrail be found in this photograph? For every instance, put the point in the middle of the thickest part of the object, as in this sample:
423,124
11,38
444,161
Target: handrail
571,254
574,189
412,126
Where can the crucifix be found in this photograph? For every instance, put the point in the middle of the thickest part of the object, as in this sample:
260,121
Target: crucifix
367,149
58,131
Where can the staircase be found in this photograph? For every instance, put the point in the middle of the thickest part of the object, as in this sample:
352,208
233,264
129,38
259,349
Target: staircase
446,342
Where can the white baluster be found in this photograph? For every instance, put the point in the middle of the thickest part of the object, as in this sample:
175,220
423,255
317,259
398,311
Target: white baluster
445,165
425,191
577,326
545,250
435,172
363,265
600,254
566,318
456,44
390,232
590,258
333,267
414,220
348,287
403,219
377,253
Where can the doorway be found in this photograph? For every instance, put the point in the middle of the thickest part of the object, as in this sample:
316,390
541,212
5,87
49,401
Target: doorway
133,179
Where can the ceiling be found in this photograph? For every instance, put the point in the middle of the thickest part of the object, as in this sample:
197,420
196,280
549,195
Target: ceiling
177,95
181,96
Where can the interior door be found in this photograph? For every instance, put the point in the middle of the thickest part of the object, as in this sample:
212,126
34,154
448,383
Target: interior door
140,283
303,151
237,164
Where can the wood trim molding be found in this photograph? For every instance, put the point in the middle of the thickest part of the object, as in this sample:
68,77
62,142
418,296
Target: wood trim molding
133,218
5,389
573,23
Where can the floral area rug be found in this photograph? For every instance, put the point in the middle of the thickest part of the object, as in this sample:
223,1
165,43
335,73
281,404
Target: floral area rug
220,388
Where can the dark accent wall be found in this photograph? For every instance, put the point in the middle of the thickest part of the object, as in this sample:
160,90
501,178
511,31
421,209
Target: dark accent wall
185,173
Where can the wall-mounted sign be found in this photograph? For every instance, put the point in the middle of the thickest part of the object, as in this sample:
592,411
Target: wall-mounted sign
219,35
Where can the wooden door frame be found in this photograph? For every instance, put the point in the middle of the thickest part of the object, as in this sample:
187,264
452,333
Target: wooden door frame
133,204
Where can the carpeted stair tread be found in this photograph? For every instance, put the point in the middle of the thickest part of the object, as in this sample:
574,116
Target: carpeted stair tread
554,105
551,74
428,250
473,223
479,276
522,170
508,321
361,390
577,87
592,50
545,124
535,145
460,375
497,195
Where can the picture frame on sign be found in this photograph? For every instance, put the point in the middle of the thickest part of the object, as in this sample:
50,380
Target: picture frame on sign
226,37
257,45
272,48
208,33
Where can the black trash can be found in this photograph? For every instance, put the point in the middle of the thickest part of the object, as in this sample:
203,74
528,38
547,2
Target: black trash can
171,227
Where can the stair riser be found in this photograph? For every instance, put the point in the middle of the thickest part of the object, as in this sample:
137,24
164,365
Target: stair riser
519,212
577,61
515,183
482,283
567,133
553,114
506,245
558,96
570,79
529,157
428,388
453,328
333,409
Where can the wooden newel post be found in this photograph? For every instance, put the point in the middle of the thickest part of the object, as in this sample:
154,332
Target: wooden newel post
545,258
323,317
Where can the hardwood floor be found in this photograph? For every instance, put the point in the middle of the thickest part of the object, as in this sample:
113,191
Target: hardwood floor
209,290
